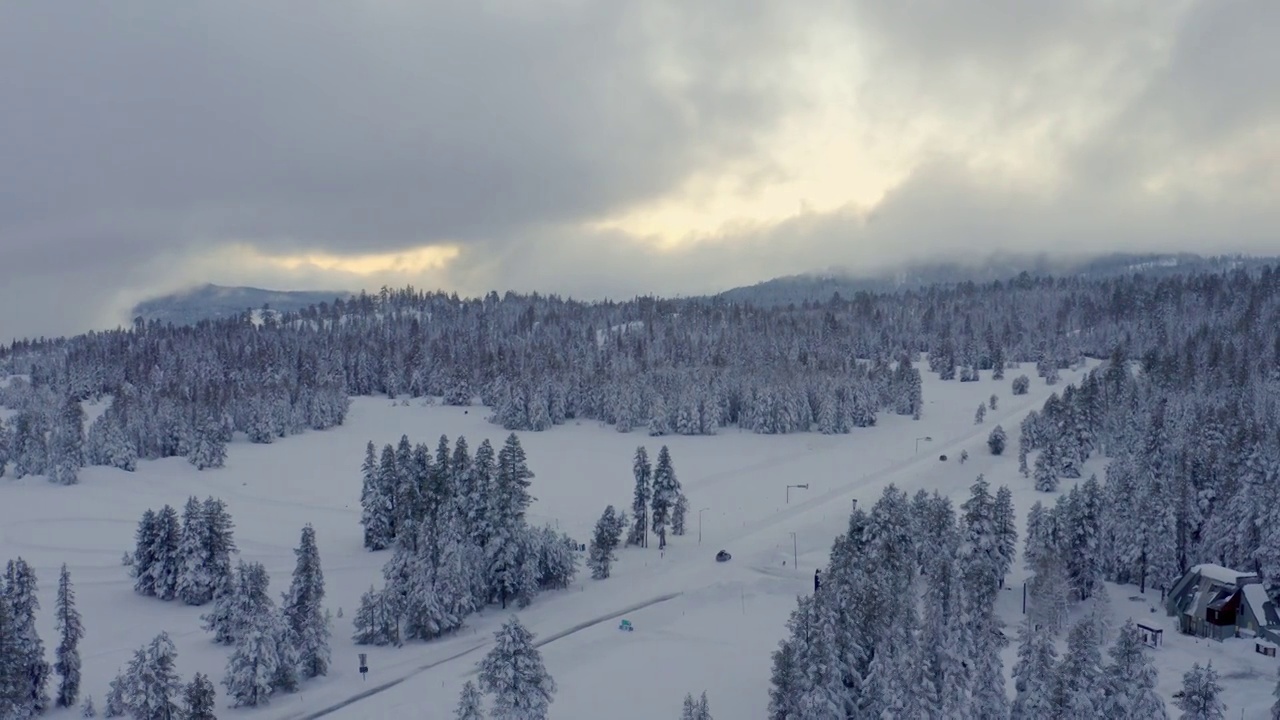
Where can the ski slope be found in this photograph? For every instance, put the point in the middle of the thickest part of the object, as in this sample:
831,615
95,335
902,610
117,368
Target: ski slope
699,625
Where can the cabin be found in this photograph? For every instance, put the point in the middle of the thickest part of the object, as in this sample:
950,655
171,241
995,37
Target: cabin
1216,602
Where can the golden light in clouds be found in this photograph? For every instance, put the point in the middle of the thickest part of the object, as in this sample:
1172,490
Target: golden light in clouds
401,262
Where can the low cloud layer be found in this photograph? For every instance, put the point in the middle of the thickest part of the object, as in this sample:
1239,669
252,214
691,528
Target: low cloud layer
608,148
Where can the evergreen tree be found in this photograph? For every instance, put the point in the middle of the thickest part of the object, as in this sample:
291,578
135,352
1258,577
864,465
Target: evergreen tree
373,504
508,503
71,631
166,559
1033,674
643,472
980,415
1130,684
1078,686
697,709
377,621
200,698
66,451
514,675
604,542
1200,697
14,694
116,701
666,492
1006,531
145,539
87,709
194,584
303,611
470,704
997,440
1021,384
28,656
252,669
153,686
679,514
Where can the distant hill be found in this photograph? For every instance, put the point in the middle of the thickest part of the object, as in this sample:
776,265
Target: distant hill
819,287
211,302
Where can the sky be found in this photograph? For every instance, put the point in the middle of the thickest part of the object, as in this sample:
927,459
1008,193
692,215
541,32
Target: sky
610,148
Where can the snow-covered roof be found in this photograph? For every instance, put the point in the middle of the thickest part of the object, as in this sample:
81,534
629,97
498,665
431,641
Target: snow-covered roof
1221,574
1256,598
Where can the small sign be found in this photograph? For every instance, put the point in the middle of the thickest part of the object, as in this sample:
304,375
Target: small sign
364,666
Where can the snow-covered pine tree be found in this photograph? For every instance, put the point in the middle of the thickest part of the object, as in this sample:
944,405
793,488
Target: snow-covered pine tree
166,559
1033,673
514,675
1006,530
144,554
5,443
252,668
199,698
666,490
116,702
483,474
33,670
303,610
1046,469
87,710
70,631
1078,679
991,403
208,447
153,683
377,531
470,703
557,562
679,515
506,548
997,440
388,482
66,446
14,702
1021,384
980,415
1130,684
1201,694
285,679
194,586
642,470
604,541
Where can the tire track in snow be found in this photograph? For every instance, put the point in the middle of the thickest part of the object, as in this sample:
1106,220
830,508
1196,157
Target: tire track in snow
436,663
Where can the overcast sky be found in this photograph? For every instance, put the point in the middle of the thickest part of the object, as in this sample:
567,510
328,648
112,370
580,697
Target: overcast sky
596,148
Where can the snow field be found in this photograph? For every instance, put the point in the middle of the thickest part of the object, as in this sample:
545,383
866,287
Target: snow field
715,634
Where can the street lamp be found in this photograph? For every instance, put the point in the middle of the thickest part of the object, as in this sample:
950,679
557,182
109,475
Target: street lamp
802,485
795,556
926,438
700,524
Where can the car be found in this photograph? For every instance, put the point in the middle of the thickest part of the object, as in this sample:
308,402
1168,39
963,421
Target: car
723,556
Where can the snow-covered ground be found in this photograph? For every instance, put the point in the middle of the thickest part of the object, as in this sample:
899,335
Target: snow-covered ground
703,625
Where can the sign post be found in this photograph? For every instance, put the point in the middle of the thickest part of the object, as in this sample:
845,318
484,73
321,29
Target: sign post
364,667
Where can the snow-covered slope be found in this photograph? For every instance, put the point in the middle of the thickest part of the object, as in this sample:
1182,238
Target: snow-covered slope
698,624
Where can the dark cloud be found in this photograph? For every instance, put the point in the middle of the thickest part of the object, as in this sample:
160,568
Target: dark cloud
137,136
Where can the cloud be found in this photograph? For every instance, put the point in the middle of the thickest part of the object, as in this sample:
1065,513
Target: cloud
609,148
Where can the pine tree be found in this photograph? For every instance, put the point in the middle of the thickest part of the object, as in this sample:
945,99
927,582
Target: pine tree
303,611
71,630
1201,694
1078,687
200,698
997,440
87,710
377,621
14,702
373,504
32,670
1046,469
194,586
514,675
253,667
600,553
117,706
470,704
144,554
153,683
1006,531
643,473
679,514
66,451
166,566
666,491
1033,674
980,415
1130,684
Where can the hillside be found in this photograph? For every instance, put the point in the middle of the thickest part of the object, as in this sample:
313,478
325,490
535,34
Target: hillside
214,302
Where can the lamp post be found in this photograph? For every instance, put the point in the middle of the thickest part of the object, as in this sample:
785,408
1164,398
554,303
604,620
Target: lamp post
795,555
926,438
700,524
801,485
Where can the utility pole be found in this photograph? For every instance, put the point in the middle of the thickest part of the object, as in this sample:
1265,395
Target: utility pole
700,524
801,485
795,555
